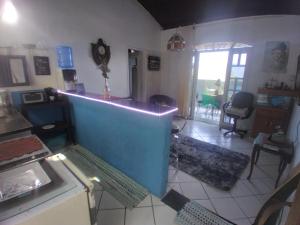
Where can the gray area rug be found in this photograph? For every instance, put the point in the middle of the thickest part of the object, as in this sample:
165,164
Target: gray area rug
214,165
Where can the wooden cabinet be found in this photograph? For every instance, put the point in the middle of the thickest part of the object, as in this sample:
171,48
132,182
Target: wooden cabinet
267,118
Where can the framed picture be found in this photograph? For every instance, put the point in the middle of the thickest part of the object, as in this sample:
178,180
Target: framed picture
42,65
153,63
13,70
276,57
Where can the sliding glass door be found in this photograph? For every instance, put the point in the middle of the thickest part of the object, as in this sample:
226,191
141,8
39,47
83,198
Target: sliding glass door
208,89
218,73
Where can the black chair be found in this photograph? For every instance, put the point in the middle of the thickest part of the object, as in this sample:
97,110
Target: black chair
239,108
164,100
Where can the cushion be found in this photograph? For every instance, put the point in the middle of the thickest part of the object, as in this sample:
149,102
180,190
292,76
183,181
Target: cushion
240,112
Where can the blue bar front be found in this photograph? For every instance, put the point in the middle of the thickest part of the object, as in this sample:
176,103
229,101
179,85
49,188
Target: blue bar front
135,143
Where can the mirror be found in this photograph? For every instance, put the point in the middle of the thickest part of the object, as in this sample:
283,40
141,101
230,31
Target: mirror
13,71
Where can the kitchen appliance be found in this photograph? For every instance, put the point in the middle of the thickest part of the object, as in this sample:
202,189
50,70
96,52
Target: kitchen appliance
4,102
70,79
33,97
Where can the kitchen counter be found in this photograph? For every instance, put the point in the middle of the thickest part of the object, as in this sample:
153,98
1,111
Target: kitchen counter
13,122
133,137
126,103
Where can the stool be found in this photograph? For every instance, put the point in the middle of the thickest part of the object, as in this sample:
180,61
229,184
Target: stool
284,150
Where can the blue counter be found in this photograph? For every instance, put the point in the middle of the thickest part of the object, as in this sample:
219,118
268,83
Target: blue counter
130,136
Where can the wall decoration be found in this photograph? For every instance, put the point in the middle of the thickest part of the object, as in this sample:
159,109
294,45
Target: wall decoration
153,63
13,71
276,57
176,42
64,57
41,65
101,56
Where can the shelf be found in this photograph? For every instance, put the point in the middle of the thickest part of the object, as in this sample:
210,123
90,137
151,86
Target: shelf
59,126
44,104
270,107
275,92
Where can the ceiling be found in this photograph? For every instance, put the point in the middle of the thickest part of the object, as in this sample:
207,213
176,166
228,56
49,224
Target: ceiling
174,13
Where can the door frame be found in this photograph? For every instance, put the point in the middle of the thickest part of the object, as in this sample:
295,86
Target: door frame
196,56
232,51
195,68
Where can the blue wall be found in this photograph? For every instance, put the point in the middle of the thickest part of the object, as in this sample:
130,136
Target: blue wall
37,116
137,144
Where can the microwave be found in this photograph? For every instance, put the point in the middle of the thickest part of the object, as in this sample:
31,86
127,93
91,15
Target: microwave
33,97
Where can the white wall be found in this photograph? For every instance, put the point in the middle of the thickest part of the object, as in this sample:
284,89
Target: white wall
255,31
122,24
41,81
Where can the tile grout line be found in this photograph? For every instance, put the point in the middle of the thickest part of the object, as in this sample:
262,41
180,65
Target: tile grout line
153,210
266,174
98,206
125,212
181,188
237,196
209,199
204,190
111,209
240,207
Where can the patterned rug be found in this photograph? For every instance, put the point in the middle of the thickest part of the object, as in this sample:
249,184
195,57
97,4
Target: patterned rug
214,165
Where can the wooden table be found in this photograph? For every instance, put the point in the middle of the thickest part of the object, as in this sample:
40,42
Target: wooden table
284,150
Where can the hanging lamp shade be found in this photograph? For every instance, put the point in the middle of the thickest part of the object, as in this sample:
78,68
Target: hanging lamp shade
176,43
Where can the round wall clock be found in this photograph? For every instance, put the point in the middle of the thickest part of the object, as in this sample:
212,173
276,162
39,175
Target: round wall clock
101,56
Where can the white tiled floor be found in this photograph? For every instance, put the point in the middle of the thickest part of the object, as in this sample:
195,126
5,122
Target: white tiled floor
246,197
164,215
138,216
240,205
108,202
228,208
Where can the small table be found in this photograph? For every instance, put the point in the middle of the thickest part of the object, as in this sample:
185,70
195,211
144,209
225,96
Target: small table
284,150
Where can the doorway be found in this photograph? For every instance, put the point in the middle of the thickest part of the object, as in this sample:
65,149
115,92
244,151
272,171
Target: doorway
210,82
218,70
135,75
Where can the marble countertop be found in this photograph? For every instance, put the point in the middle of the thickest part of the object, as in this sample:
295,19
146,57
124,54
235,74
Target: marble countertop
126,103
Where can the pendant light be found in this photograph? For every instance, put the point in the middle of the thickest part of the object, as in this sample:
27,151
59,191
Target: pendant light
9,13
176,42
